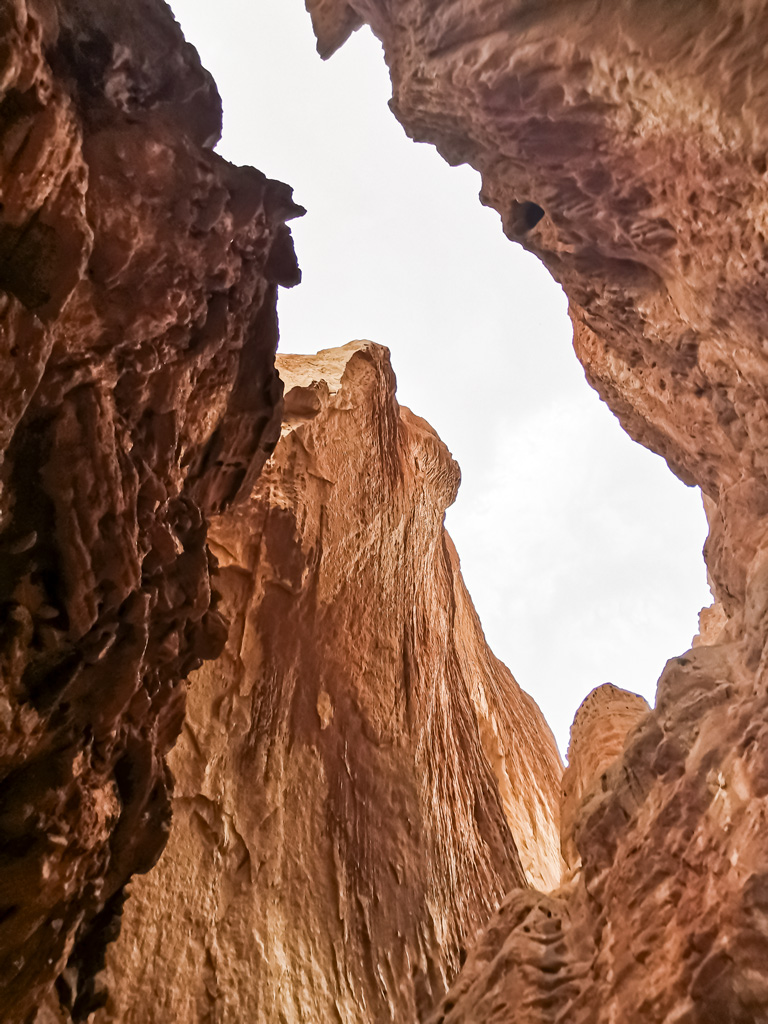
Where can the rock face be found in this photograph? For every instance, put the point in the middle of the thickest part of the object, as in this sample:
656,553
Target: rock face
599,732
351,791
626,145
138,274
359,780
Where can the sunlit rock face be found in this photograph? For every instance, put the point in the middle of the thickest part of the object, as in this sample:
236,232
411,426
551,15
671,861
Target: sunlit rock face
138,274
626,145
358,781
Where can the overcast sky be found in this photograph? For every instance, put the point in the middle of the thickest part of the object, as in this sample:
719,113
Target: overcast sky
581,551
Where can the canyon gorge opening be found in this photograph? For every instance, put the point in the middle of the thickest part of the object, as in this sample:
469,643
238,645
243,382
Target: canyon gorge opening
559,518
369,820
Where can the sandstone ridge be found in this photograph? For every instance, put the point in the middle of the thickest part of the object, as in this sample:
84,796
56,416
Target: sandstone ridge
359,781
625,145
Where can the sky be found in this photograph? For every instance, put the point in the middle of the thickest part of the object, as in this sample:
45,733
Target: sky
581,550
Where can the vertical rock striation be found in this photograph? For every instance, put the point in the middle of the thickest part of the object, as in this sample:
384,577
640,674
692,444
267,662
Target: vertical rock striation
138,274
627,146
359,781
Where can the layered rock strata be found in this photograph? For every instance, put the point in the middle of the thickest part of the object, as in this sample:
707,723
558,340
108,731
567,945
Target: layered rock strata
138,274
359,780
626,145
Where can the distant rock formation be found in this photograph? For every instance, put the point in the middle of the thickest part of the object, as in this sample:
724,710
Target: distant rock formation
359,780
626,145
138,275
599,732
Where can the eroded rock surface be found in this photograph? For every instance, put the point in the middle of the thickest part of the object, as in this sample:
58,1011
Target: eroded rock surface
359,781
599,732
627,149
138,274
627,146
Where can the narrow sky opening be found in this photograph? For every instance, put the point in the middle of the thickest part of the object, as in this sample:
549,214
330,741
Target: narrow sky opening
581,551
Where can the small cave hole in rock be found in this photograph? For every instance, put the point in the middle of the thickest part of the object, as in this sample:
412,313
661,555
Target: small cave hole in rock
525,217
580,549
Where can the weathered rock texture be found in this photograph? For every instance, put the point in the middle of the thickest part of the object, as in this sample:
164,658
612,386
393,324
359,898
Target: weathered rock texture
359,780
138,274
626,145
598,735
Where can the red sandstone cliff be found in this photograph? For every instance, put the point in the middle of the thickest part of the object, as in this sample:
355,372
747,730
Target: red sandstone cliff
138,275
359,781
626,145
604,720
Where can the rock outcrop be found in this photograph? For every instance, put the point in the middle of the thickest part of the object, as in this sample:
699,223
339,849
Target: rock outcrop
359,781
626,145
138,275
603,722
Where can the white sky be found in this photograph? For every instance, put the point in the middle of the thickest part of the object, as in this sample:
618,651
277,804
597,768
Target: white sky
581,551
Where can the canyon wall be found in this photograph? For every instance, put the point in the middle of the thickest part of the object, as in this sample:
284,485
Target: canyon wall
138,275
333,827
359,780
627,146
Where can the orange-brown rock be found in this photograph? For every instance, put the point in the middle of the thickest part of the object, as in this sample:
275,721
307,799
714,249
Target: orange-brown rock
138,274
627,146
350,808
627,149
359,781
599,732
